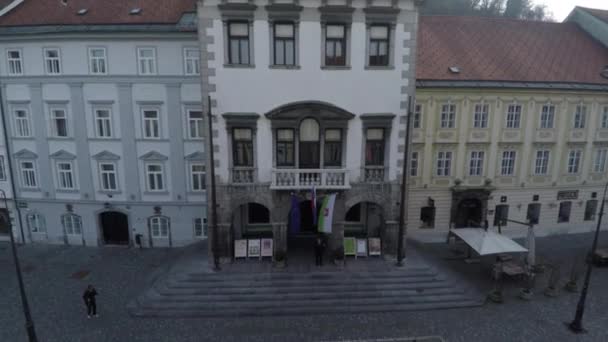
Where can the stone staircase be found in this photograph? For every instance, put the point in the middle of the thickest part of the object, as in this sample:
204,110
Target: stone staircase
202,294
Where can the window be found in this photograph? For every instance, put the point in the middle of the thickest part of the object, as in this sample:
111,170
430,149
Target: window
309,144
192,64
508,163
72,224
242,147
200,227
52,61
146,61
541,164
590,210
197,177
195,124
285,147
416,122
448,116
2,169
414,164
480,117
476,163
374,147
59,123
109,179
564,212
599,164
159,227
547,116
22,123
15,62
28,174
533,214
379,45
36,223
151,123
97,61
427,216
580,114
154,176
513,116
284,44
333,147
335,45
604,123
65,175
238,43
103,123
501,214
574,161
444,163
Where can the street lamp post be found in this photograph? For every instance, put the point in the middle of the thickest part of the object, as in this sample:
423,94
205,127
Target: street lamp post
211,170
577,325
404,188
29,323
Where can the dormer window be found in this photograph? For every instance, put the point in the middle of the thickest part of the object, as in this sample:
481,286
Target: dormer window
135,11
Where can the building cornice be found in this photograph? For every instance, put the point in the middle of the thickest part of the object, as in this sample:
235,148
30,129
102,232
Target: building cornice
13,32
120,79
424,84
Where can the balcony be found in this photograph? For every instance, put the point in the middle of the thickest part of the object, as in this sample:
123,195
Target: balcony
374,174
243,175
294,179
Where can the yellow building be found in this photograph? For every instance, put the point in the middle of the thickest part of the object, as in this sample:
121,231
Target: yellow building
511,122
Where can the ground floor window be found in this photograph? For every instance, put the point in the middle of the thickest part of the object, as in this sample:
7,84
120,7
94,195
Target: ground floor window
533,214
72,224
159,226
501,215
427,216
590,210
564,212
36,223
200,227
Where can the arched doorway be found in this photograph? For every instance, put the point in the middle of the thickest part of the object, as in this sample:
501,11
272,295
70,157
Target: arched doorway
469,213
251,220
364,219
115,228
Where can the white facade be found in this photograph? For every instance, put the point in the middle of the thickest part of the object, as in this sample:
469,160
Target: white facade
107,129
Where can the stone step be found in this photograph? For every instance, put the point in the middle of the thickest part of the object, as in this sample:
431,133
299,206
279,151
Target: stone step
284,310
302,282
257,297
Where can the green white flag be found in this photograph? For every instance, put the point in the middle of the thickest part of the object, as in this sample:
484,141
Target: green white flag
327,214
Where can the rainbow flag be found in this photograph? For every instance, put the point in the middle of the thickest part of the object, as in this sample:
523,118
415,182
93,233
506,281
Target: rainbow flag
327,214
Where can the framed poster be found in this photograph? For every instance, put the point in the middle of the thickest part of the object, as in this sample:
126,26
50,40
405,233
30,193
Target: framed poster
266,247
349,246
361,247
253,248
374,246
240,249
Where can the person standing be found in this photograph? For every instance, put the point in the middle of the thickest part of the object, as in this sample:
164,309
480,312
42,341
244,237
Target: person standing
89,301
319,250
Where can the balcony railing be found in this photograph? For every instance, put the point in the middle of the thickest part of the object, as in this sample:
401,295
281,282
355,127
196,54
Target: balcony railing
374,174
243,175
287,179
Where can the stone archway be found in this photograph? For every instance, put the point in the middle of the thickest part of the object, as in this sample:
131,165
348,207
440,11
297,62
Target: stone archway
469,207
364,219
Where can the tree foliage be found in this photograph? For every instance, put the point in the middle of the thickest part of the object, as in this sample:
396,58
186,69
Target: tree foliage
519,9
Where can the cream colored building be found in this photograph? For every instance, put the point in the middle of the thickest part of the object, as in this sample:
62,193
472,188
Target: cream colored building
488,146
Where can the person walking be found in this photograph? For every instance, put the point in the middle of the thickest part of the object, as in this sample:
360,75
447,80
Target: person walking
319,250
89,301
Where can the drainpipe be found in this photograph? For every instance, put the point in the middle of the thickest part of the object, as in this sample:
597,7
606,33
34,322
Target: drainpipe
9,163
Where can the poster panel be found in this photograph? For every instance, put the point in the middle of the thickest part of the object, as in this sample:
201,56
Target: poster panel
253,248
350,246
361,247
240,248
374,246
266,247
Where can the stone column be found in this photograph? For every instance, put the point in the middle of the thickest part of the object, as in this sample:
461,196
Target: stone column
225,243
389,239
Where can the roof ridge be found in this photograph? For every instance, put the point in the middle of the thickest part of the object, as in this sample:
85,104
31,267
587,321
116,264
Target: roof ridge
491,18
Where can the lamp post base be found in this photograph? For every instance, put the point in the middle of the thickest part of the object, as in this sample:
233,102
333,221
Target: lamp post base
576,327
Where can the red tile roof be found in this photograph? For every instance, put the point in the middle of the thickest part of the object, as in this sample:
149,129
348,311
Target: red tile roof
598,13
497,49
53,12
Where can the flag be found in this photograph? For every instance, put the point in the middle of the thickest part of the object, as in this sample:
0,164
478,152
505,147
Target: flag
294,215
327,214
313,204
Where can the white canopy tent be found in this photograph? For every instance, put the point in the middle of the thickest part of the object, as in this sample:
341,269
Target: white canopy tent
487,242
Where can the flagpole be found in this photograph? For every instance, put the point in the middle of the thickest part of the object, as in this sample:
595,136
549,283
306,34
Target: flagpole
402,204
